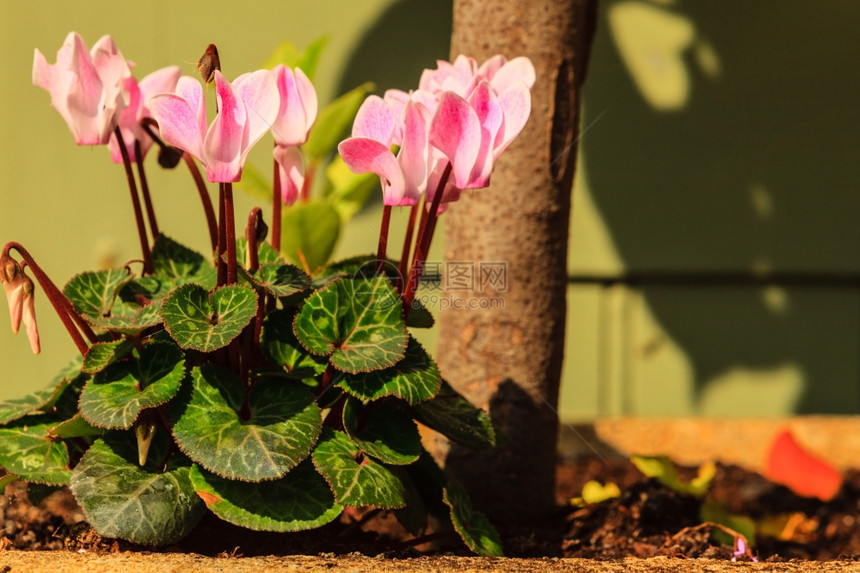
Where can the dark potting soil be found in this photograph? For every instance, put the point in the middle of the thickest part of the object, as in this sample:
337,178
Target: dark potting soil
646,520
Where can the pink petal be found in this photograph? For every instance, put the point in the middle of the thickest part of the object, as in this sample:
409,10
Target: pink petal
518,70
292,172
486,105
127,123
364,155
84,93
308,95
259,93
375,120
190,90
227,136
158,82
29,316
177,122
516,103
413,154
15,297
492,65
290,125
456,132
113,70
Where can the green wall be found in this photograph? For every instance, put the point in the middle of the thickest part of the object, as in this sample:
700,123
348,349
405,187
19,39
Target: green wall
718,136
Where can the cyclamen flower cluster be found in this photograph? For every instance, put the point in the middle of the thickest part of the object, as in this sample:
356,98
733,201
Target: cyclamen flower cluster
95,92
461,113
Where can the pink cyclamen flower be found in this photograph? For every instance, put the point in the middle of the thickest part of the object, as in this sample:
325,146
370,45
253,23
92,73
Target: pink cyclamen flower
86,87
298,106
19,295
376,127
158,82
247,108
291,172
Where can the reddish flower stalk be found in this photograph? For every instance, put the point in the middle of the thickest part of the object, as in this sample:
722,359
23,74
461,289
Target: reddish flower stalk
144,189
230,233
383,239
220,263
407,248
276,207
425,235
135,201
253,230
62,306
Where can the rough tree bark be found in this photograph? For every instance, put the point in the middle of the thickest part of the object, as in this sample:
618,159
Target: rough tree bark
508,360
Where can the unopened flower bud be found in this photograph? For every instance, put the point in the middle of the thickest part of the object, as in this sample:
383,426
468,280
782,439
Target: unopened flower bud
208,63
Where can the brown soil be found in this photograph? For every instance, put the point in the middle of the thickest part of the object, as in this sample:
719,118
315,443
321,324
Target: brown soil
647,520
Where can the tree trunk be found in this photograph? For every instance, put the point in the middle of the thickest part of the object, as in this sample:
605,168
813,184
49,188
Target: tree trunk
507,358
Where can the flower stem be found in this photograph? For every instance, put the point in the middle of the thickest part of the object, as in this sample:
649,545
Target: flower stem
383,239
62,306
220,263
407,247
135,201
230,233
425,235
144,189
204,198
276,207
254,220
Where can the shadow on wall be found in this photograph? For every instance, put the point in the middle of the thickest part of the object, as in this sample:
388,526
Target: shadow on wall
407,38
729,143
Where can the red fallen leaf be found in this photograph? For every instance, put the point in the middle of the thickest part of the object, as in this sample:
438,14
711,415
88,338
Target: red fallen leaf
789,464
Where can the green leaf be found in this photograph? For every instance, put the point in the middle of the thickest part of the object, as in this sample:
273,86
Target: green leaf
205,321
595,492
382,431
477,532
280,431
358,322
266,253
333,122
143,505
419,317
286,53
101,354
281,280
414,379
356,481
715,511
27,450
280,346
134,320
115,396
181,264
349,191
311,229
93,293
74,427
452,415
42,400
663,470
298,501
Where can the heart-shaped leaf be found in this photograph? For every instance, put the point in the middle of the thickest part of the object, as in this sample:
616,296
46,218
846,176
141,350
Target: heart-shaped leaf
476,530
280,346
101,354
26,449
452,415
129,318
383,431
298,501
75,427
115,396
282,426
358,322
141,504
205,321
356,480
181,264
281,280
93,293
415,378
266,253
